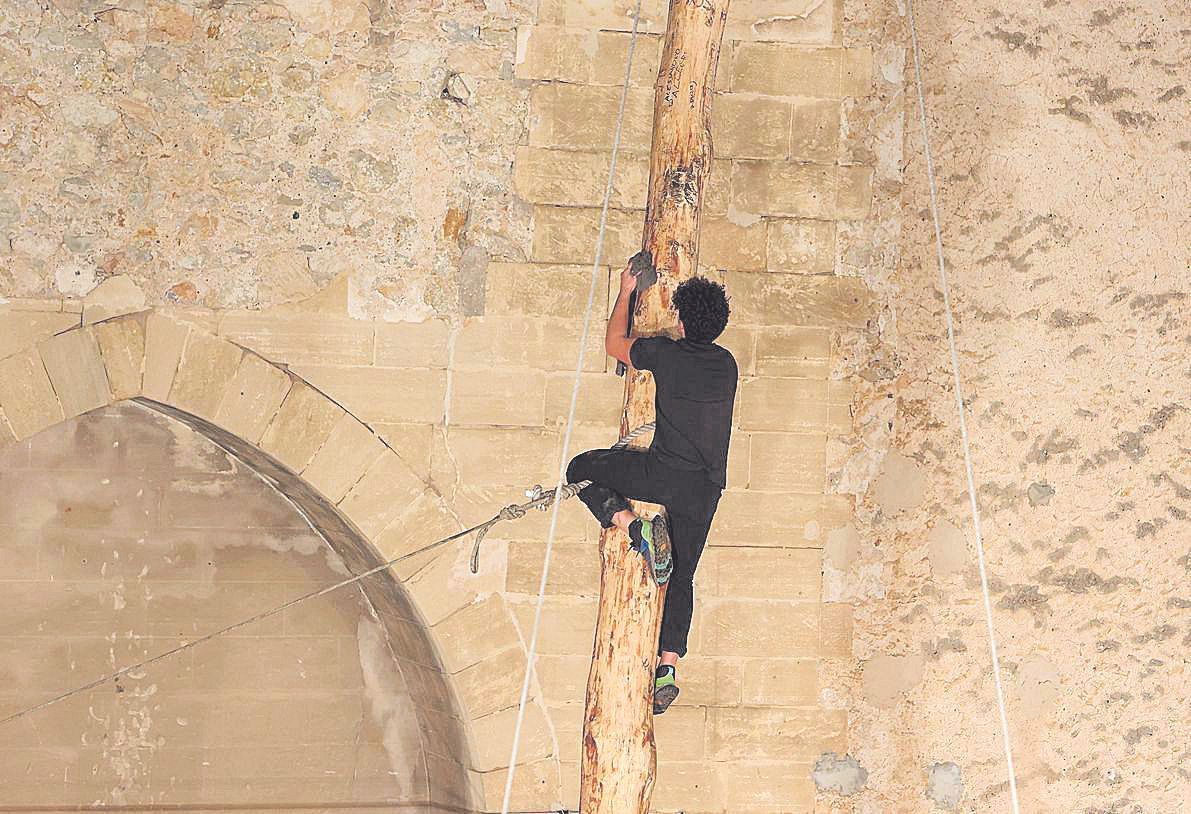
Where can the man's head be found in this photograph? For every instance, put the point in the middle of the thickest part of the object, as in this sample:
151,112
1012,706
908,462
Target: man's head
702,307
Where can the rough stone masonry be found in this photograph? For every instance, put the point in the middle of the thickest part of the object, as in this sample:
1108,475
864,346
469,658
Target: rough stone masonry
361,233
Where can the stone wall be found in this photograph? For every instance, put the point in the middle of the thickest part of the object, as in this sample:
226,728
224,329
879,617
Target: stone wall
397,209
393,209
124,534
1060,146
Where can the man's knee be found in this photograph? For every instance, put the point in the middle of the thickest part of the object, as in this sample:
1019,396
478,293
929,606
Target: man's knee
575,468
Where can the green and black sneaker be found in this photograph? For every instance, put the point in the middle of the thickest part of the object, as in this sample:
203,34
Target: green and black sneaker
652,539
665,689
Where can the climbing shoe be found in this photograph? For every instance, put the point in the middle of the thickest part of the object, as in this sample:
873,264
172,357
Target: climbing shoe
665,689
651,539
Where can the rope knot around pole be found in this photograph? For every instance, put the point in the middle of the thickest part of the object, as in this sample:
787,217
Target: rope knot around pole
541,499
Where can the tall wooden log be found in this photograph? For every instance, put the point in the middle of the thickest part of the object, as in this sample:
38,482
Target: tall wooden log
619,757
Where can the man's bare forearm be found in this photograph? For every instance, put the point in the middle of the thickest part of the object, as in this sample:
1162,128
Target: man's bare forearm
618,323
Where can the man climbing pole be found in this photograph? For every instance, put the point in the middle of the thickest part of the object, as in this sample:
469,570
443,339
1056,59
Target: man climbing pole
684,469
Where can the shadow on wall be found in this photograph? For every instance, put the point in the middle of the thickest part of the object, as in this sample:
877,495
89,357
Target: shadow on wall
319,706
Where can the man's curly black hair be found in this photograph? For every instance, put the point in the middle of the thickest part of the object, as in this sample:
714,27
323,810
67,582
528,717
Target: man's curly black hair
703,308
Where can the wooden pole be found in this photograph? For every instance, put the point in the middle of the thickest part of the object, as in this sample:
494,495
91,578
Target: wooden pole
619,757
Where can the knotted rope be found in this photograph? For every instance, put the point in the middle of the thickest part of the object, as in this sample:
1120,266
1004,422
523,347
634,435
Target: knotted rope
540,499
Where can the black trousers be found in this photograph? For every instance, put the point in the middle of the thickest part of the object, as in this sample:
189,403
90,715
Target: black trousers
690,499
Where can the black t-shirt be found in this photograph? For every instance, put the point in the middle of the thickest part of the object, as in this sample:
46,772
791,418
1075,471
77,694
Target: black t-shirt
696,386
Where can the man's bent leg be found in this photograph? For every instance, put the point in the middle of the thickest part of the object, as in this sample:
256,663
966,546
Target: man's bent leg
616,475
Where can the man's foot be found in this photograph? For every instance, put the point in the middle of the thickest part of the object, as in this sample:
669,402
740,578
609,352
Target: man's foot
652,539
665,689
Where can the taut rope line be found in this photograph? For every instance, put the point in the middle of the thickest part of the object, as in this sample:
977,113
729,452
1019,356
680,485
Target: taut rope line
539,500
959,402
566,441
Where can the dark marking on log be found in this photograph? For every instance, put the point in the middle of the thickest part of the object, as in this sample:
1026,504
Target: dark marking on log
682,185
674,76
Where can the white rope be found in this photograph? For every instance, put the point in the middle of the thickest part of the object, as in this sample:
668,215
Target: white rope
959,402
566,441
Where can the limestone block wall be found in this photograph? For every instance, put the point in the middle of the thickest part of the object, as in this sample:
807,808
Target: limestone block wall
1060,146
409,336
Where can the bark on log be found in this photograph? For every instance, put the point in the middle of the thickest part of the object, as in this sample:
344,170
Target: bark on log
619,757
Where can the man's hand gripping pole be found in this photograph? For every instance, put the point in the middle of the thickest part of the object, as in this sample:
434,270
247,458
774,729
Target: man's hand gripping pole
641,265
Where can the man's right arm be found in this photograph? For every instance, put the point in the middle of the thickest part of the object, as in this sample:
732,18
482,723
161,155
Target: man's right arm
616,343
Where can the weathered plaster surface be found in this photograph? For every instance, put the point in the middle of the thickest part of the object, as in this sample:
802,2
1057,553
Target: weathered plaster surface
242,155
126,533
1060,141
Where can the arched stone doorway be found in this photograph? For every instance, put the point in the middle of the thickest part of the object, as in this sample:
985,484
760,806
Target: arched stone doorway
125,531
393,731
355,489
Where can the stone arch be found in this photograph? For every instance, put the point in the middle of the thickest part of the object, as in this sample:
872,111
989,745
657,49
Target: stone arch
464,649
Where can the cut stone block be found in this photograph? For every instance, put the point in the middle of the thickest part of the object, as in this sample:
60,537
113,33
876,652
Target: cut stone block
795,352
578,178
535,787
76,371
22,329
780,682
750,733
301,338
583,117
504,397
815,131
382,394
205,371
568,624
791,405
122,345
492,736
424,521
113,297
301,426
748,126
542,344
803,246
783,70
724,244
492,685
252,398
568,235
787,189
788,462
164,340
746,627
350,449
774,518
797,299
413,344
26,395
385,491
761,573
476,634
543,290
